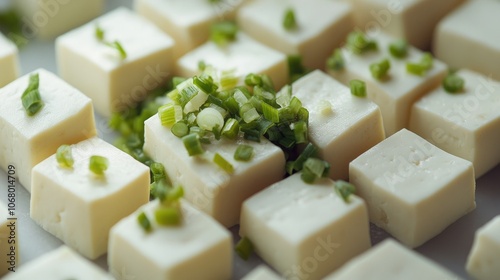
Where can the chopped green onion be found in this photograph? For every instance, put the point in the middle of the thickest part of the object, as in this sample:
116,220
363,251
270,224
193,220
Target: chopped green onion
399,48
253,80
427,60
358,88
336,61
325,107
284,96
100,36
270,112
224,32
248,113
359,44
243,153
313,169
158,171
180,129
99,33
31,99
144,222
453,83
244,248
380,69
421,67
344,189
289,21
98,164
170,114
206,84
300,132
174,194
209,118
177,81
223,163
168,216
295,68
231,128
64,156
192,144
309,151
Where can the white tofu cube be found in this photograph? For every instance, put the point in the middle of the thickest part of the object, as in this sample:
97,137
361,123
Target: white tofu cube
321,26
206,185
9,259
483,262
390,260
50,18
67,117
331,231
347,129
244,56
188,22
394,95
468,38
79,207
96,69
61,263
262,272
199,248
466,124
405,181
403,18
9,61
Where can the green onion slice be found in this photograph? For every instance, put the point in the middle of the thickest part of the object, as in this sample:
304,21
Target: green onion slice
244,248
344,189
223,163
453,83
168,216
31,99
144,222
224,32
192,144
380,69
336,61
289,21
358,43
243,153
64,156
98,164
399,48
358,88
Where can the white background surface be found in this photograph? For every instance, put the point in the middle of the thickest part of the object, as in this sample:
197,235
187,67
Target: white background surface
450,248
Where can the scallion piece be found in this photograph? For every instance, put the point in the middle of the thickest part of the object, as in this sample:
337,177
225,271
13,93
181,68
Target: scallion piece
100,36
99,33
231,129
192,144
359,44
399,48
98,164
144,222
344,189
224,32
313,169
300,132
223,163
243,153
253,80
244,248
158,171
209,118
170,114
174,194
168,216
64,156
270,112
453,83
289,21
295,68
336,61
180,129
380,69
31,99
358,88
420,68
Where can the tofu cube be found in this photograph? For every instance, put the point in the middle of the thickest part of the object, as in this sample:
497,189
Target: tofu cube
67,117
405,181
199,248
188,22
483,262
466,124
49,18
115,84
396,94
262,272
244,56
321,26
206,185
61,263
9,259
79,207
9,61
468,38
403,18
331,231
341,125
389,260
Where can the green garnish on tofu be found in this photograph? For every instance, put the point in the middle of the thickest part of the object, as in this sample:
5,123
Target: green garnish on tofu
64,156
98,164
358,88
453,83
358,43
224,32
100,36
399,48
289,21
244,248
344,189
380,69
420,68
31,99
336,61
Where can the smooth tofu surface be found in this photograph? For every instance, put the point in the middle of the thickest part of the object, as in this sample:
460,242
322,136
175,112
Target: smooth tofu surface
351,127
463,39
483,262
389,260
50,18
466,124
322,26
61,263
79,207
9,62
207,186
67,117
244,56
330,233
8,239
395,95
402,18
97,70
261,272
199,248
405,179
188,22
